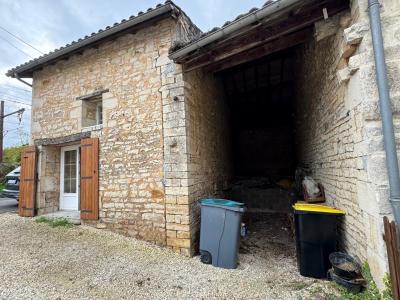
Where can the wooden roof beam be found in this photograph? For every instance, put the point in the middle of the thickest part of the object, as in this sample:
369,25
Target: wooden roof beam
279,44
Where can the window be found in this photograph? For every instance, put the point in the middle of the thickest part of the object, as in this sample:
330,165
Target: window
92,112
99,113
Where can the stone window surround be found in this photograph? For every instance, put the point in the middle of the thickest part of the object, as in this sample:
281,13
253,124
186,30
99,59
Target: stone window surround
98,94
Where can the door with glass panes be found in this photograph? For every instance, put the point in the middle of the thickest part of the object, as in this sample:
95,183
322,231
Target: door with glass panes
69,178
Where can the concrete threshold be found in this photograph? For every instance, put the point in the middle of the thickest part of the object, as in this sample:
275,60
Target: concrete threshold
72,216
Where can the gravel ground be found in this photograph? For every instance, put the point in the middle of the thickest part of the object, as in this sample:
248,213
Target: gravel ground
41,262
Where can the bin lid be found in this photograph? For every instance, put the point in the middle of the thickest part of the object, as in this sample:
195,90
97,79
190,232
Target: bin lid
318,208
221,202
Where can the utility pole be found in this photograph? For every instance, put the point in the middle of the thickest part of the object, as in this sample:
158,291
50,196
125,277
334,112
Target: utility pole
1,130
2,116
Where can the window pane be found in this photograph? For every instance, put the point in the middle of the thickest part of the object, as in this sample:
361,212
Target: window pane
70,165
99,113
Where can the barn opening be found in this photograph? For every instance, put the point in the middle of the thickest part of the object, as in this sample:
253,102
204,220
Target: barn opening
245,118
260,96
253,116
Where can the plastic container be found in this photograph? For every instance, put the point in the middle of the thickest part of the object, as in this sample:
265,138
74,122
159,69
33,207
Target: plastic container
220,232
316,237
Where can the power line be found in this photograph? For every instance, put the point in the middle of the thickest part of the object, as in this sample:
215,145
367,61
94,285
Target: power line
13,87
21,40
15,94
14,101
11,44
14,97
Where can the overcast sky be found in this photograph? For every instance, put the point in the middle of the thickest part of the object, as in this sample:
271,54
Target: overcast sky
49,24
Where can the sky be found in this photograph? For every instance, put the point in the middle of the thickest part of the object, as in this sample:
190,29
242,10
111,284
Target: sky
49,24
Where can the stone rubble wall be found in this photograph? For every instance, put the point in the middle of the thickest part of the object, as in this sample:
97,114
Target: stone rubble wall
132,194
48,188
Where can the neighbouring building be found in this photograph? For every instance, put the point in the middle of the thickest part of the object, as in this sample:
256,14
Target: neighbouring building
134,124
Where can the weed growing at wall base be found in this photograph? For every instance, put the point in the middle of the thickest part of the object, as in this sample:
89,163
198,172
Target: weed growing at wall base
59,222
371,292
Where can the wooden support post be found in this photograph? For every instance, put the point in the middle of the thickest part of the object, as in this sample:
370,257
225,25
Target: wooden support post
391,237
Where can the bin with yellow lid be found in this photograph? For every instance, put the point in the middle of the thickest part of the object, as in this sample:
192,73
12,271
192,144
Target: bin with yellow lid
316,237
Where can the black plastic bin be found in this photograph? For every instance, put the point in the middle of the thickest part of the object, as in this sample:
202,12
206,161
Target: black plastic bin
316,237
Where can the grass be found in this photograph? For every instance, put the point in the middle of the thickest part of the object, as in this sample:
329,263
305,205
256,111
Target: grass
297,285
58,222
2,186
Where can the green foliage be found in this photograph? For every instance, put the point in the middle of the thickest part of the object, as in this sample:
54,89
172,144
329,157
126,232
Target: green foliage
371,292
12,155
2,186
59,222
387,292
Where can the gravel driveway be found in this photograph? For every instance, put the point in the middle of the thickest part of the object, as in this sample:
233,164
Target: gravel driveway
41,262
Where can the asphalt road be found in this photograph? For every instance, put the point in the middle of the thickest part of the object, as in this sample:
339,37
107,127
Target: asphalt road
8,205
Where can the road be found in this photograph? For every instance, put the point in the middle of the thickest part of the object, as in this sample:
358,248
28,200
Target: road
8,205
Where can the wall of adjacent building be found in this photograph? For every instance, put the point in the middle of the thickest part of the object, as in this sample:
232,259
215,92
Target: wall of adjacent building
362,92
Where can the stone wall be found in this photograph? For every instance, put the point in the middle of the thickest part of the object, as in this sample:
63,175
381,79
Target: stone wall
344,147
208,142
48,188
132,195
326,135
362,94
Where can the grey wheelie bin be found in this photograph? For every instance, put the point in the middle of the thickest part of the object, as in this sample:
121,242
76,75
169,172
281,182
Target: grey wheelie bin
220,232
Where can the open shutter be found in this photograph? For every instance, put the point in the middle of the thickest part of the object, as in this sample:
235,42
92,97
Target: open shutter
89,179
27,186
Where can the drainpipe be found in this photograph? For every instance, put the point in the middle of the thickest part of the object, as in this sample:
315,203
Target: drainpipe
385,107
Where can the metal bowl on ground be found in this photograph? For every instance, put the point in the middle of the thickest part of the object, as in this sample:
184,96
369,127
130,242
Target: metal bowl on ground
344,265
354,286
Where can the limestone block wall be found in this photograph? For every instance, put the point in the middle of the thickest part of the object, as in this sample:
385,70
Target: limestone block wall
326,135
208,142
176,156
132,195
338,102
362,92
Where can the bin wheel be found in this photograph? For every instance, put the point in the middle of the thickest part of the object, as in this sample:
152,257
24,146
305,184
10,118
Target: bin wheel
205,257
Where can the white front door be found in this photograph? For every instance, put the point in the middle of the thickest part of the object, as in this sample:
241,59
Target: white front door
69,179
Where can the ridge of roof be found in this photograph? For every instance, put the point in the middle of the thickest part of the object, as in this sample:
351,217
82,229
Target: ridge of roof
168,6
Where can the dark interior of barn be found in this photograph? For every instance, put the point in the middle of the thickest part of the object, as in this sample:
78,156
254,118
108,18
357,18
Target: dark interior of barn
260,96
261,99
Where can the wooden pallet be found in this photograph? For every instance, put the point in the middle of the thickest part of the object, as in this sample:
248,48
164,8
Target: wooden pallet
392,240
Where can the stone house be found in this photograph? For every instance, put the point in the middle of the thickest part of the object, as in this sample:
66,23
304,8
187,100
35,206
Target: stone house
134,124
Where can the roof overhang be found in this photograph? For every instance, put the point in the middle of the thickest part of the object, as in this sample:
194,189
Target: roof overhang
278,25
161,11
